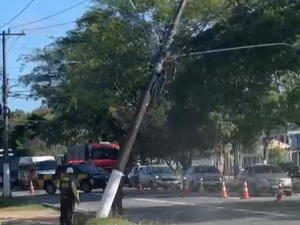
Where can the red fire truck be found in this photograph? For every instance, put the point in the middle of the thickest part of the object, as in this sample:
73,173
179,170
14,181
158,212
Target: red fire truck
103,154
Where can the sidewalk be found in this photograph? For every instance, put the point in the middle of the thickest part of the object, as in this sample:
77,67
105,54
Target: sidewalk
43,217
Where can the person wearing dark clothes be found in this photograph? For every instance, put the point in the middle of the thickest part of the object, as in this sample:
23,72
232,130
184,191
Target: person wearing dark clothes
65,158
117,203
68,196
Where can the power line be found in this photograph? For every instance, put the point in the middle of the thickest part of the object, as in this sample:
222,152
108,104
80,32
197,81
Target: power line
48,17
18,14
13,44
20,47
51,26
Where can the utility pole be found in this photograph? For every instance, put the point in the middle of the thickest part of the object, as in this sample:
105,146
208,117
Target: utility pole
5,112
156,70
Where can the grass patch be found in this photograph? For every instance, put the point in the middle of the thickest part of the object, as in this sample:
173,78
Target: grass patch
107,221
87,220
16,204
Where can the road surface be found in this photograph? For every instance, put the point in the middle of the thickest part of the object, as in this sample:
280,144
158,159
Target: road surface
209,209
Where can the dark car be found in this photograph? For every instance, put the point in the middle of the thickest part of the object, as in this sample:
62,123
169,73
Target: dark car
291,170
13,166
88,176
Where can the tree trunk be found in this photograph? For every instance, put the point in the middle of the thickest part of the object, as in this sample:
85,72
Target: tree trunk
226,164
266,143
235,160
186,160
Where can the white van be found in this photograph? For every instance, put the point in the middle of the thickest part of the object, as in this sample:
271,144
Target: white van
43,165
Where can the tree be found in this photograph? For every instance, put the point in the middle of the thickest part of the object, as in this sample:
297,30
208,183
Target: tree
277,155
77,72
91,79
239,84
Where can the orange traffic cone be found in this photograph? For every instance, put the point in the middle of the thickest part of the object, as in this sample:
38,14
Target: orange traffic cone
224,190
245,194
31,190
279,195
139,187
185,189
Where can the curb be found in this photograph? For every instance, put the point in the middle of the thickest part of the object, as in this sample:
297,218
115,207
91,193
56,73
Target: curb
57,208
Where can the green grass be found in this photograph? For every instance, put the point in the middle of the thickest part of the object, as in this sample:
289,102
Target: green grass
16,204
87,220
108,221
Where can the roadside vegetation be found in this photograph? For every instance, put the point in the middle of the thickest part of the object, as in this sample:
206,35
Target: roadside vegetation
90,80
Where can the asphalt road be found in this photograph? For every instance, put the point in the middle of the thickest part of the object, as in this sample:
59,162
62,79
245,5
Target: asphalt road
208,209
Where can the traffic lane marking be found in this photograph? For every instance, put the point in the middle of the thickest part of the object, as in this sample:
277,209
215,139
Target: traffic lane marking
162,201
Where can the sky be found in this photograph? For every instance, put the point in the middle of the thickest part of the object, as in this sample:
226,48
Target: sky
34,38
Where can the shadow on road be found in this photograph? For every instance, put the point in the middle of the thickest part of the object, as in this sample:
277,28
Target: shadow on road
287,206
180,214
173,194
197,214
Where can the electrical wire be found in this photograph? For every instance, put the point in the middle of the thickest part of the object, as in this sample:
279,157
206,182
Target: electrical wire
48,17
51,26
13,44
18,14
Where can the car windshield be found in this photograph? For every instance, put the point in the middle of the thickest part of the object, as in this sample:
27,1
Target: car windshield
45,165
206,169
267,169
86,168
161,170
105,153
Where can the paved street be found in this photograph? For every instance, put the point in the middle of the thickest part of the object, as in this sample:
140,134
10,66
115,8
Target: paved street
169,207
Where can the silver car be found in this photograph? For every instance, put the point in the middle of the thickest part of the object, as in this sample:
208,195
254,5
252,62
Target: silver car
159,175
265,178
209,176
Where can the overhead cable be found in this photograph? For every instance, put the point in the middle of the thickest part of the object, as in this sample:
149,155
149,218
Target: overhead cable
51,26
48,17
13,44
15,17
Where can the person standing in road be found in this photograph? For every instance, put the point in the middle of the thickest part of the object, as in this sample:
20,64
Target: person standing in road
117,203
68,196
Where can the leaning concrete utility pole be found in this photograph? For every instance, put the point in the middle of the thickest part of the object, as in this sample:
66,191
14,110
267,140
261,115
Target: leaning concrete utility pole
156,70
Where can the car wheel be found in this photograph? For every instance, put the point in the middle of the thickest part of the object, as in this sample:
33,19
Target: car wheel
50,188
86,187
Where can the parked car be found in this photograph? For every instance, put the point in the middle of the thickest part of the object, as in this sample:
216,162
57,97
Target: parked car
88,176
265,178
291,170
158,175
210,176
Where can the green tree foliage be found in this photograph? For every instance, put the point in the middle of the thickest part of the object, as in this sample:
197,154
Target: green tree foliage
91,79
277,155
